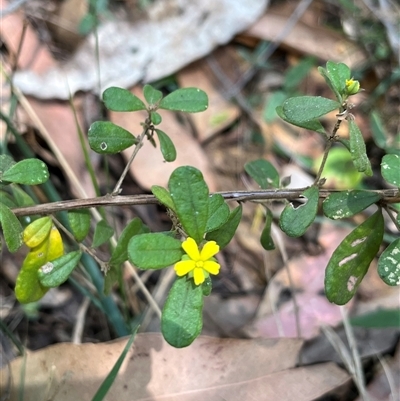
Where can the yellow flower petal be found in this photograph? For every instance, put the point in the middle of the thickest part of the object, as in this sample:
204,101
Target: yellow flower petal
198,275
184,267
211,266
209,250
191,248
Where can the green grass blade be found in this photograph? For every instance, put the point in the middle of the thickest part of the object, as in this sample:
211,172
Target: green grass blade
109,380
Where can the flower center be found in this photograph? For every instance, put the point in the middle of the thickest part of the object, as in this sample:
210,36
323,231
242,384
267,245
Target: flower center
200,263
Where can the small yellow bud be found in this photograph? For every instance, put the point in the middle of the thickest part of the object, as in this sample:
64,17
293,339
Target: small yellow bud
352,86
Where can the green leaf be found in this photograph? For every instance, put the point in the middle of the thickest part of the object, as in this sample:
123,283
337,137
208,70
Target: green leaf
263,173
358,150
6,162
295,221
102,233
6,199
21,197
79,221
27,172
389,264
351,259
206,286
109,380
181,320
218,212
390,169
312,125
118,99
167,146
338,74
378,131
108,138
266,239
152,95
273,101
329,82
154,251
12,229
306,108
297,73
120,253
343,204
380,318
54,273
155,118
189,100
223,235
163,196
190,195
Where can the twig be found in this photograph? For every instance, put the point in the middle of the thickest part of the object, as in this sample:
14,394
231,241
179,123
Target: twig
358,371
117,188
80,322
387,196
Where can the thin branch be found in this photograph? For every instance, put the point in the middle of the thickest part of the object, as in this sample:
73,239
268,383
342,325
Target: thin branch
387,196
117,188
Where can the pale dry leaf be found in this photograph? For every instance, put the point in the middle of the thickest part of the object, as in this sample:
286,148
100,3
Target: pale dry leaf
276,314
313,40
220,113
210,369
145,50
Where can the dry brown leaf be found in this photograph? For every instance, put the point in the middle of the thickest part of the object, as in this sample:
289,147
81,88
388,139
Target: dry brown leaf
220,113
210,369
313,40
149,167
33,54
276,315
58,119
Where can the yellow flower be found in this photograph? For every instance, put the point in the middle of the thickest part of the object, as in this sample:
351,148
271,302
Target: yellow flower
352,86
198,263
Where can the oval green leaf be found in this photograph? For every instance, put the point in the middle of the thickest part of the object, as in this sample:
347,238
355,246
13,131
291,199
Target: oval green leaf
27,172
108,138
189,100
120,253
12,229
102,233
218,212
79,221
163,196
338,74
155,118
154,251
52,274
190,196
358,150
312,125
263,173
266,239
389,264
390,168
306,108
167,146
118,99
343,204
350,261
152,95
181,320
223,235
295,221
